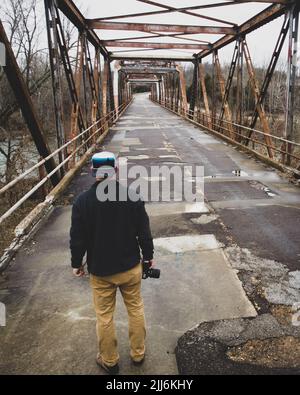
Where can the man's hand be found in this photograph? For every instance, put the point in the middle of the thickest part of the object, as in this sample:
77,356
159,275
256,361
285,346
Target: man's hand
151,263
79,272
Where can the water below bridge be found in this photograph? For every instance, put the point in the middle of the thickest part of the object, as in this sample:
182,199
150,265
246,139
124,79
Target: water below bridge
221,260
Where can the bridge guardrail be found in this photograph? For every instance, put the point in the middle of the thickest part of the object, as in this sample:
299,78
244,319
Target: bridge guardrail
284,156
90,134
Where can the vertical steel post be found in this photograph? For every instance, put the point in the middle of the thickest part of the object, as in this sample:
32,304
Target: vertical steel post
227,110
98,80
204,93
240,88
55,65
164,90
259,106
157,91
75,105
160,90
111,90
86,95
104,88
291,77
116,85
214,93
183,94
194,90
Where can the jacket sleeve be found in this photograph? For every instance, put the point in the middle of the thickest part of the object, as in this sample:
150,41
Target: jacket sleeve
77,237
143,232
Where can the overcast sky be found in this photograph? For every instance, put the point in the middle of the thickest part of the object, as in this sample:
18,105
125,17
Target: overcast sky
261,42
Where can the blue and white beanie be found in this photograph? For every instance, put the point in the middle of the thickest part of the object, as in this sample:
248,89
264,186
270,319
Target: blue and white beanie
103,164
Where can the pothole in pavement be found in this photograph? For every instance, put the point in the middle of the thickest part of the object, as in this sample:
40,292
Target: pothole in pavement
282,352
204,219
283,314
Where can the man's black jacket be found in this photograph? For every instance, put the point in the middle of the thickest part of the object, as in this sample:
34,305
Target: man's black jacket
111,232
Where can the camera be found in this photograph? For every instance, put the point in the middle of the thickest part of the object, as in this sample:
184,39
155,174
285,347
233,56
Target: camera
150,272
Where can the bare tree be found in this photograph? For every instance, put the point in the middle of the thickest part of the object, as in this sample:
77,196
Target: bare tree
24,30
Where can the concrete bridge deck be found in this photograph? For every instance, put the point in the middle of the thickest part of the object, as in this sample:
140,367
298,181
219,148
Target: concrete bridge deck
236,258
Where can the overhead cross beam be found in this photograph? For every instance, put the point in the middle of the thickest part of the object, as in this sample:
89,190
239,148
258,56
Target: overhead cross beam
135,44
168,9
187,12
155,27
148,70
152,58
262,1
156,35
264,17
146,81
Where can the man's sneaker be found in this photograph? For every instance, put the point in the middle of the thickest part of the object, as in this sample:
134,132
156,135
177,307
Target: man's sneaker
139,362
108,369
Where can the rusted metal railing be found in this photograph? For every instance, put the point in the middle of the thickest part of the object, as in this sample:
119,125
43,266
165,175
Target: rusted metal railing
83,142
285,151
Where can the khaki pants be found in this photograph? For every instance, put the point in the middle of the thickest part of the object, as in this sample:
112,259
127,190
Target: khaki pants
104,293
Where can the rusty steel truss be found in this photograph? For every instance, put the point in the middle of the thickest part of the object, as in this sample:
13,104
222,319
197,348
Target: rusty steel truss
100,81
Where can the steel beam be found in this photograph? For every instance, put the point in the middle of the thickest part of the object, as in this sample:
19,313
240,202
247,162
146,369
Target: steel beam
116,85
55,66
150,27
232,68
264,17
204,93
142,81
86,96
146,70
263,1
291,77
269,73
63,57
77,80
92,82
97,103
98,79
182,82
114,56
214,87
140,76
111,88
168,11
22,95
188,12
135,44
194,90
104,88
259,106
240,86
75,16
180,36
227,111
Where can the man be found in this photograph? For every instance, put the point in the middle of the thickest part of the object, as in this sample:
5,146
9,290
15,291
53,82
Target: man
112,232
